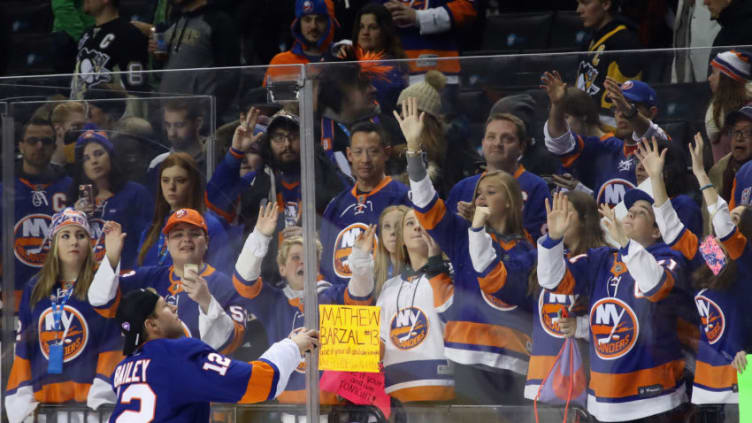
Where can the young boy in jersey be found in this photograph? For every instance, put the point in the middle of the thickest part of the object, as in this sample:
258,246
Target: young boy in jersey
636,365
504,141
350,213
602,161
167,377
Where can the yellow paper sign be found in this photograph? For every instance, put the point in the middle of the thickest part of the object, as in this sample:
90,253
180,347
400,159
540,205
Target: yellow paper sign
349,336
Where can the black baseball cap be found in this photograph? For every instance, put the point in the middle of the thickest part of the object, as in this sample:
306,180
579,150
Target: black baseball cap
634,195
135,307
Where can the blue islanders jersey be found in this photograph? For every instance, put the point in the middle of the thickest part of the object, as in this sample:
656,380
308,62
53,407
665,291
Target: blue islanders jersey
606,165
168,285
174,380
349,214
132,208
91,348
741,193
534,193
280,311
36,200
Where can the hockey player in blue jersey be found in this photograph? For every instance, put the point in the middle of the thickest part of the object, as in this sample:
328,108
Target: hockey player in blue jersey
40,191
504,141
350,212
205,299
604,162
167,377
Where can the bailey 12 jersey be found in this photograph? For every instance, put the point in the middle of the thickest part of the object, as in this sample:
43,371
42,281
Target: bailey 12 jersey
116,46
349,214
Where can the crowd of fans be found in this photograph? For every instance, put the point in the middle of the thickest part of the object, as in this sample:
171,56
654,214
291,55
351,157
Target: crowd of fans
484,254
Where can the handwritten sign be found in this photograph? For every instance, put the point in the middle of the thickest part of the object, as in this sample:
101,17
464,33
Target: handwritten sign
744,380
349,338
358,388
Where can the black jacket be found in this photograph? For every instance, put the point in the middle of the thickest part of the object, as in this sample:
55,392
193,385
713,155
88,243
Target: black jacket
736,24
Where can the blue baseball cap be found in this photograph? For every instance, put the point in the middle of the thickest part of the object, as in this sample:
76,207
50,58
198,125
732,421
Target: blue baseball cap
743,113
634,195
639,92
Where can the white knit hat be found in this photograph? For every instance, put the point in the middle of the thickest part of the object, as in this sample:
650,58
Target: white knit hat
427,92
736,64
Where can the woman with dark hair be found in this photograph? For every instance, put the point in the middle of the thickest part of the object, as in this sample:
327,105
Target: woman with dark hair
721,281
180,187
102,190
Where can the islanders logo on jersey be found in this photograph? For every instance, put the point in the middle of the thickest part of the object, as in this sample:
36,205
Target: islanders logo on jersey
612,191
75,328
409,328
30,234
615,328
343,246
712,318
496,303
98,236
549,307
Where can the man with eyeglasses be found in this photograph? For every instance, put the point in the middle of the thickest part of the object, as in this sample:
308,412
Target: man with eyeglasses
727,171
605,164
40,192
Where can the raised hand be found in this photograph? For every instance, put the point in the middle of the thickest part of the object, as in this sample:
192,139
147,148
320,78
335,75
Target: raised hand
466,210
411,122
696,153
197,289
651,159
364,242
243,137
306,340
266,222
559,215
433,246
613,225
554,86
480,217
613,90
114,239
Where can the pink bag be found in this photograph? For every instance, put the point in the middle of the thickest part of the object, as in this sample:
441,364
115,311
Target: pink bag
566,382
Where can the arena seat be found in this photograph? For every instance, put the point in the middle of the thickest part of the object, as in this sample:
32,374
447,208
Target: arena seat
30,54
29,17
567,32
515,32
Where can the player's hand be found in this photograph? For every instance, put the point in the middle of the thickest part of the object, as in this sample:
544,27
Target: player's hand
554,86
364,242
465,210
651,159
480,217
740,361
696,153
114,239
266,223
306,341
411,121
243,137
197,289
613,225
402,14
559,215
433,246
614,93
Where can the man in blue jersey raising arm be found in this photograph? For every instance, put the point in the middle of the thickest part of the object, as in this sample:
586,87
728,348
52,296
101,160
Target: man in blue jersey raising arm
168,377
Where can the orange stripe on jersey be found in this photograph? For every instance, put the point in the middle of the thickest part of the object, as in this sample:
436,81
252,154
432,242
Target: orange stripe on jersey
608,385
485,334
567,284
299,397
424,393
236,154
247,291
433,216
686,244
463,12
20,372
237,339
443,289
732,200
715,377
58,393
495,279
229,217
107,362
665,288
259,384
540,366
352,301
735,244
427,60
109,312
568,160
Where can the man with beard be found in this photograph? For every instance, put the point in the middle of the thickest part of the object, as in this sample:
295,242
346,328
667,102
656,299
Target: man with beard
181,121
40,192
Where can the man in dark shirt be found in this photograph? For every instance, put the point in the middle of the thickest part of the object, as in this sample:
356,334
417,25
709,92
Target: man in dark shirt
734,16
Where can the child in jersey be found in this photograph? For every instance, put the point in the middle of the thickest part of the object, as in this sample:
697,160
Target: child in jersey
167,377
206,301
487,338
412,303
66,350
281,310
721,280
